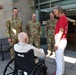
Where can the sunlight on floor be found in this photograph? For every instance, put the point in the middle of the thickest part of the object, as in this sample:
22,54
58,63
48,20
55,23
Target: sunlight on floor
70,59
66,58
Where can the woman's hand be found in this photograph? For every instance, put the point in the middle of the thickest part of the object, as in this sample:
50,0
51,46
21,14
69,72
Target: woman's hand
55,48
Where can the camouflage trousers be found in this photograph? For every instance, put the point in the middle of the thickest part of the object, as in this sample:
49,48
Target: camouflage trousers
50,43
12,54
35,41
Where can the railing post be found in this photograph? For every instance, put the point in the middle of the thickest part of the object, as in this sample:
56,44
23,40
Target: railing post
2,52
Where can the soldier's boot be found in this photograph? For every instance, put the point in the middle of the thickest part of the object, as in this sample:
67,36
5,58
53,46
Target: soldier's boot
48,51
54,53
51,51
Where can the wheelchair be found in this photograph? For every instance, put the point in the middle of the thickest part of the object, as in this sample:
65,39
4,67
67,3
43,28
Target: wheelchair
25,62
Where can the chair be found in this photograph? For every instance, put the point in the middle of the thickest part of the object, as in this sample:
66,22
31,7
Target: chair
4,46
25,62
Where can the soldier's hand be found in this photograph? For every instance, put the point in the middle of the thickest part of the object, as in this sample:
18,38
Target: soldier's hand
9,40
39,36
45,36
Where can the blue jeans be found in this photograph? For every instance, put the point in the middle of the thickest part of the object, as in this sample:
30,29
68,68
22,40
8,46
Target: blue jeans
41,60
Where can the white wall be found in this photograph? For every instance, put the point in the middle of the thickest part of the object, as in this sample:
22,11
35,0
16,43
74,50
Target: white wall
25,12
4,13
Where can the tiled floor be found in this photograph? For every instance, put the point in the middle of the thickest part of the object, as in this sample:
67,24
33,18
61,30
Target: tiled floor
4,63
70,63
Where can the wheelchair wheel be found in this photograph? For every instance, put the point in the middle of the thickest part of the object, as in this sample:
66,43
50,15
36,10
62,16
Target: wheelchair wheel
40,70
9,69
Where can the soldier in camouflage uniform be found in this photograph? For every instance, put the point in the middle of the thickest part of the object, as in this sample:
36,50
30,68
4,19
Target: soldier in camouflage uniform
49,32
13,27
34,31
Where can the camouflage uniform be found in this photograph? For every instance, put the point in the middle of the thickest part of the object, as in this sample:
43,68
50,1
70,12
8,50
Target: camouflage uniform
13,27
34,31
49,33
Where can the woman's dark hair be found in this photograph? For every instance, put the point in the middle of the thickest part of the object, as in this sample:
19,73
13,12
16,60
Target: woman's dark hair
59,8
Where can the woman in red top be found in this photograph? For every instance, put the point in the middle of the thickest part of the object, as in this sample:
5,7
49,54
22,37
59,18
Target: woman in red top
60,39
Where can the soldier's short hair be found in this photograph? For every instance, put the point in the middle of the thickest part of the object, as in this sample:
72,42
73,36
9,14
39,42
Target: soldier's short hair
59,8
1,6
52,12
35,12
14,8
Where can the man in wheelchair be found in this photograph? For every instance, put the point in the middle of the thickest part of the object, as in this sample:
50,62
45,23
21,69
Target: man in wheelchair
23,47
26,59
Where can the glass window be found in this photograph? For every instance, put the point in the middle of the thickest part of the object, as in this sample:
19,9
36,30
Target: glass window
71,28
44,18
44,1
45,6
36,6
36,1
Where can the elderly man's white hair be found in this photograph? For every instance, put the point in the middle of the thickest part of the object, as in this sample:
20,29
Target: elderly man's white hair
23,37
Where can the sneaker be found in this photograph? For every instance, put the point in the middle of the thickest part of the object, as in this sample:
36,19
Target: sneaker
48,53
25,73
